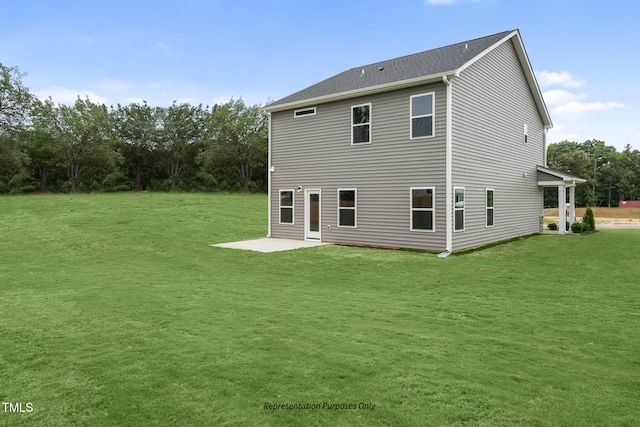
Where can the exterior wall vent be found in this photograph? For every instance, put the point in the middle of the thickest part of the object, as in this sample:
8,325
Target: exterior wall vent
305,112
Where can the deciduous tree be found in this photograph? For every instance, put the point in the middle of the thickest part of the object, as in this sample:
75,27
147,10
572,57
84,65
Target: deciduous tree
181,127
138,128
236,135
86,132
15,99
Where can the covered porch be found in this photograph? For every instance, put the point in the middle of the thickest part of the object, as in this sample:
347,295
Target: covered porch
563,181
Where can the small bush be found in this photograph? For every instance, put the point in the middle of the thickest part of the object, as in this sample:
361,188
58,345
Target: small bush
588,220
22,183
578,227
552,226
116,181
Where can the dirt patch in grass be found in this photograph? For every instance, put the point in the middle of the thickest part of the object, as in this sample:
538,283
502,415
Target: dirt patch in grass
629,213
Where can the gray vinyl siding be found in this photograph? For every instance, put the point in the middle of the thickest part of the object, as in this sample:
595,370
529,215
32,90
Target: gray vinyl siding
316,152
543,176
492,102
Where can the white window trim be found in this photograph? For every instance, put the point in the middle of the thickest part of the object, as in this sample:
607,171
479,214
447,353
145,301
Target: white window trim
486,216
292,207
455,209
298,116
355,208
361,124
432,209
432,115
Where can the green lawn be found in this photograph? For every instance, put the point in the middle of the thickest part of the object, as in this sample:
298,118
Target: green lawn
115,310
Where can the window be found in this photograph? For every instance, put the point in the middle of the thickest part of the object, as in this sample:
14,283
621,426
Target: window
422,209
305,112
526,133
489,207
347,207
361,124
458,209
286,206
422,107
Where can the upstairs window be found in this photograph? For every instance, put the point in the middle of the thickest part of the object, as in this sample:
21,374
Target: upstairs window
347,207
422,107
286,206
361,124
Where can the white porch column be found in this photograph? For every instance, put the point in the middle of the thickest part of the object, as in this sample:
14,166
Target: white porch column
562,206
572,204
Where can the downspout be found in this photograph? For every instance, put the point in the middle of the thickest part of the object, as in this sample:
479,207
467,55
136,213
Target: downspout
448,80
269,172
544,145
544,162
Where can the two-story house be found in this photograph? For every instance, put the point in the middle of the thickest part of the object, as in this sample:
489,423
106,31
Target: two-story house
437,150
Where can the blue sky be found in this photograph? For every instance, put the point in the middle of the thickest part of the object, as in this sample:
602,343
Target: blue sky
585,54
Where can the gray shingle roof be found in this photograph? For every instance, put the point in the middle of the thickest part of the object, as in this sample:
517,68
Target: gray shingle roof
428,63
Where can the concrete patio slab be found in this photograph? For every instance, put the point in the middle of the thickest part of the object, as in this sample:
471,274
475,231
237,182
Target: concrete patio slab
268,244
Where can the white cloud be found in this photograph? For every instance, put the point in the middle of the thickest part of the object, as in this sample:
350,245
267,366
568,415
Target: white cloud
567,104
64,95
564,78
575,109
561,96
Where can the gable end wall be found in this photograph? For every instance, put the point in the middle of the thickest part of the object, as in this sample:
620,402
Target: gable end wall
491,103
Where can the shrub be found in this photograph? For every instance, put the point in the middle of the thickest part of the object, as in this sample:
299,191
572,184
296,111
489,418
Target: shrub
552,226
578,227
588,220
116,181
22,183
204,181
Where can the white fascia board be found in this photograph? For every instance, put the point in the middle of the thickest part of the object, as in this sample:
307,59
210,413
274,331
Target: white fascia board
485,52
550,183
566,182
361,92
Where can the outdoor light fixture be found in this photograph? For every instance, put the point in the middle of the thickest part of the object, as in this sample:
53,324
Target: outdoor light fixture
272,169
299,190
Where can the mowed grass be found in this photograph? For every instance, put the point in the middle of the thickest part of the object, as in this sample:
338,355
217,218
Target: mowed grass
115,310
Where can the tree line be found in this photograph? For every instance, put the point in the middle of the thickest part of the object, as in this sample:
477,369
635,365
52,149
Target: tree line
87,146
611,175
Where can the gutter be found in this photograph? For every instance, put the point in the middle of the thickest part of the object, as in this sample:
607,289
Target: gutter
359,92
